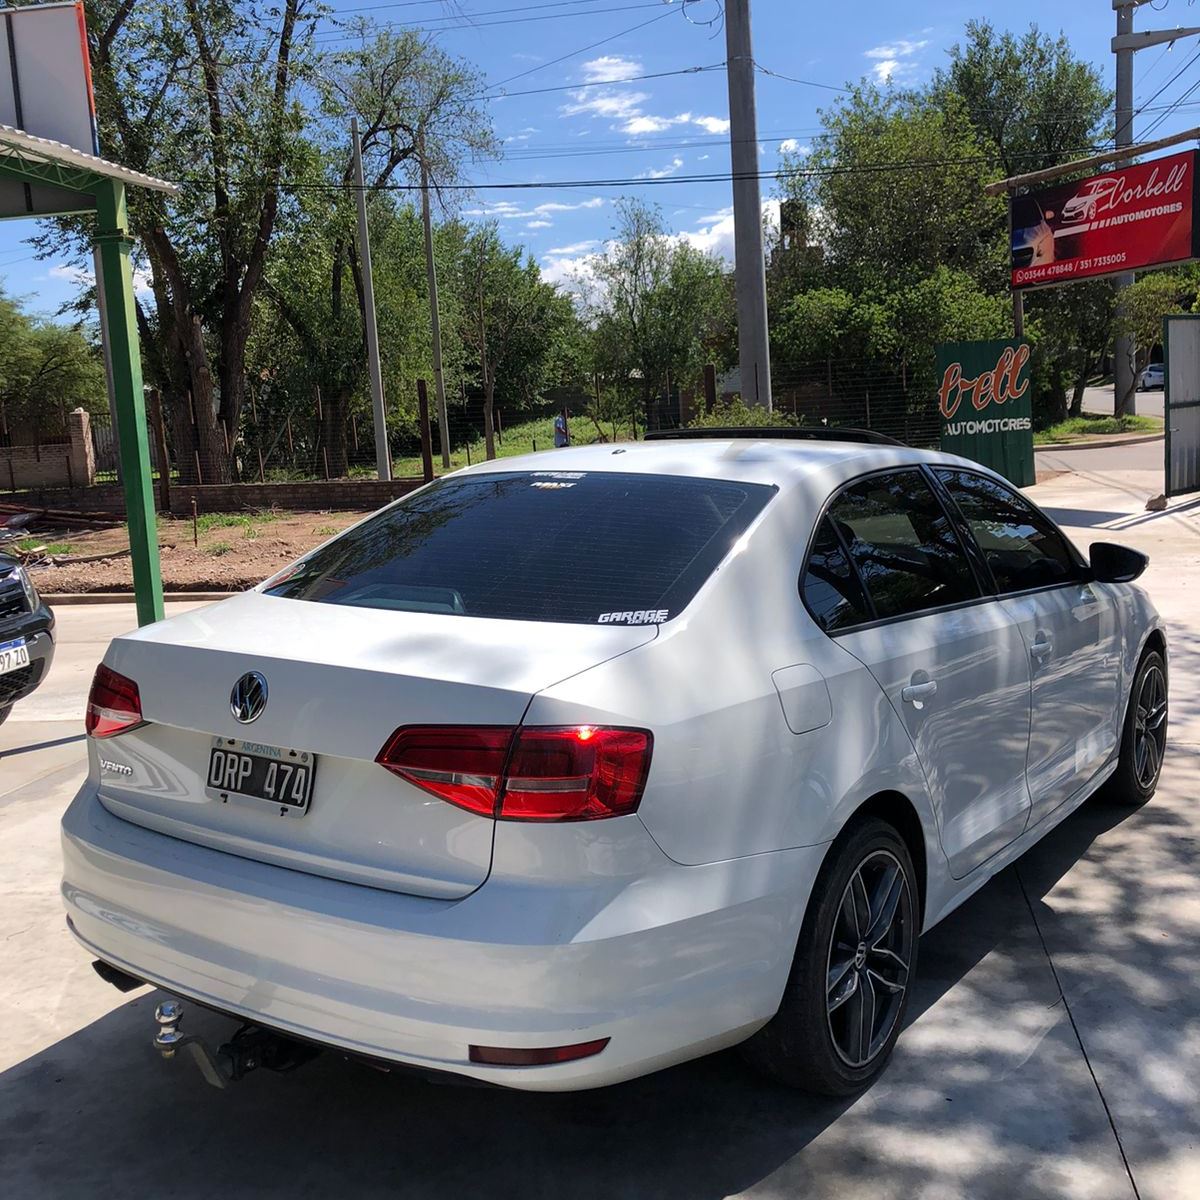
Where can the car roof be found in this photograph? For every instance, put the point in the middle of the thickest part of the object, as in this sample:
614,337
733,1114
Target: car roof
766,460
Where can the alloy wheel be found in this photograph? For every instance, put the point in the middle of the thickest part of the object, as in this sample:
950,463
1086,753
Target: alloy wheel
1150,727
869,956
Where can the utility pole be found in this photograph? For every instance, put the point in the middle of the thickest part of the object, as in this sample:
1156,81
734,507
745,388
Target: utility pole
383,461
1125,45
435,320
750,282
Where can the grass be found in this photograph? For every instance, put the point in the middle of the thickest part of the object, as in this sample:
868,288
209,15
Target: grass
524,438
27,544
1090,424
218,548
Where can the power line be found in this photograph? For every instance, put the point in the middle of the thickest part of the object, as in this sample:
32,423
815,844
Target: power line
571,87
709,177
582,50
336,36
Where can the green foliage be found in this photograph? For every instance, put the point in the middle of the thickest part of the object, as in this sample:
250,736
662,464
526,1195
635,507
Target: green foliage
735,412
1089,425
46,369
656,306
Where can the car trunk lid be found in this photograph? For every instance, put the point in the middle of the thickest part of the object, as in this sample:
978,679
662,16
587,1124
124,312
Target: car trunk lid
340,681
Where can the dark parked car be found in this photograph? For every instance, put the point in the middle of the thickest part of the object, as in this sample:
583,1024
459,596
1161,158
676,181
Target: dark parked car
26,635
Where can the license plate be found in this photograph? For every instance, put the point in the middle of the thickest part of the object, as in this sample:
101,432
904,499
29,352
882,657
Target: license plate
13,655
252,771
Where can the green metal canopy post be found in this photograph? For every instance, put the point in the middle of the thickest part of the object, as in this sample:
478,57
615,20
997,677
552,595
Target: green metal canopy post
114,244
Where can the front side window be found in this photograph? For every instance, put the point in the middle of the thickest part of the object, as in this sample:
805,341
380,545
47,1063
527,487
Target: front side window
903,544
1022,547
587,547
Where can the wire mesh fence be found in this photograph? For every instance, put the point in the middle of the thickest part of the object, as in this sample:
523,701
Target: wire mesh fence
281,438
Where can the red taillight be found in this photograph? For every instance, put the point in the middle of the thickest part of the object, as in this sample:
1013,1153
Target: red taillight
572,773
462,764
538,1056
113,704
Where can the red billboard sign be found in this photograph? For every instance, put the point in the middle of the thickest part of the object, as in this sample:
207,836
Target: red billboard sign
1122,220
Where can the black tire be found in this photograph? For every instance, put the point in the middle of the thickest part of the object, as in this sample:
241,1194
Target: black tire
5,709
808,1044
1143,736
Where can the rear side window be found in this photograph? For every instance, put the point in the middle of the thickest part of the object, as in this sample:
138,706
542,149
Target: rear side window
580,547
1022,547
903,544
831,588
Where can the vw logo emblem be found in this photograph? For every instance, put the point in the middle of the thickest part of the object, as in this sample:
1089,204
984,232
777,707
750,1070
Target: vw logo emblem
248,698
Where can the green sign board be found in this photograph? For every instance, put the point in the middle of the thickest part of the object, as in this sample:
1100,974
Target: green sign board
984,398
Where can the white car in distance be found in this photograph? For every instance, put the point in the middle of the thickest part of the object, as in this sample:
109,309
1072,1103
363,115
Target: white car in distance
569,767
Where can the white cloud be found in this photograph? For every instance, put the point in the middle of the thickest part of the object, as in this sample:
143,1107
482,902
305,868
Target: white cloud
573,248
80,276
84,277
613,105
715,235
538,224
642,123
890,60
609,68
627,107
792,146
663,172
509,210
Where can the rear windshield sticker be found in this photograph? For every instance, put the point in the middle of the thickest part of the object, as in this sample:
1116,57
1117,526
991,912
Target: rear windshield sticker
640,616
557,474
546,486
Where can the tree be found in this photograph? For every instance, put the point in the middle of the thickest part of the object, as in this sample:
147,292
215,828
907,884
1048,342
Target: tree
1155,295
514,324
411,99
46,369
1029,99
1034,104
657,307
207,91
894,190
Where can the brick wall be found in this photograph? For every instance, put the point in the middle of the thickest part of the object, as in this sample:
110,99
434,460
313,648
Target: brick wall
69,463
357,495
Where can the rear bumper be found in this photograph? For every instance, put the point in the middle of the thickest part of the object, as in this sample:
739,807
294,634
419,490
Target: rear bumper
668,966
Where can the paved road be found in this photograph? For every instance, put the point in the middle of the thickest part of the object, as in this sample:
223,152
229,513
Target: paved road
1088,944
1100,400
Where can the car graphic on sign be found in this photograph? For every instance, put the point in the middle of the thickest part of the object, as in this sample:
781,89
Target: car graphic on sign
1082,206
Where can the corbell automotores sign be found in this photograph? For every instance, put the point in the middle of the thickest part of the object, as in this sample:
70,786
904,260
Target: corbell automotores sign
985,404
1139,216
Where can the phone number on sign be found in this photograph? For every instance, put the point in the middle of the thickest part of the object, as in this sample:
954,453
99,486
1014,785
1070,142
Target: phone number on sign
1071,266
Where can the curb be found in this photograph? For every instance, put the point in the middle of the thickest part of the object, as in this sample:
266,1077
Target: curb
54,599
1102,443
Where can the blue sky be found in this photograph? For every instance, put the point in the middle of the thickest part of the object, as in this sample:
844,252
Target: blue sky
654,130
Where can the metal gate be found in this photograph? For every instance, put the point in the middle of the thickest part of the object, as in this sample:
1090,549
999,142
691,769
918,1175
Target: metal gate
1181,403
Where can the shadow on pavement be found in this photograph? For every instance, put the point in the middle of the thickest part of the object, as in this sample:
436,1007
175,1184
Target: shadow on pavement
987,1096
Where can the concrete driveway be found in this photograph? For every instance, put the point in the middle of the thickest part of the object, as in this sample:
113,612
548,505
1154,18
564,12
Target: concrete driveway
1053,1047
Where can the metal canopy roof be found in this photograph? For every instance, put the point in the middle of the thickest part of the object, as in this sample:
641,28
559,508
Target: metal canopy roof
18,143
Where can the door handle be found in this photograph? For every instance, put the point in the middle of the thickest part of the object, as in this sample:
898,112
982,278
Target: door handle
1042,645
914,693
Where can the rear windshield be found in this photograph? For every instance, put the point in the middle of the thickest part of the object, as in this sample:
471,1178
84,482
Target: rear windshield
581,547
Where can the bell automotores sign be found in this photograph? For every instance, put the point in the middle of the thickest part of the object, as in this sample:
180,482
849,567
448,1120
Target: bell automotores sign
985,401
1141,216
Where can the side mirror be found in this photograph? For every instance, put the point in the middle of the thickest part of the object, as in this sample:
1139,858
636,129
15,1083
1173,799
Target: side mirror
1116,564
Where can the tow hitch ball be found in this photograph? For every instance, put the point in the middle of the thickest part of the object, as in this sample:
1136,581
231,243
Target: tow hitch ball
248,1049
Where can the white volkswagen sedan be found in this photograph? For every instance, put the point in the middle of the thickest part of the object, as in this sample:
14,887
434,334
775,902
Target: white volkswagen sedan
569,767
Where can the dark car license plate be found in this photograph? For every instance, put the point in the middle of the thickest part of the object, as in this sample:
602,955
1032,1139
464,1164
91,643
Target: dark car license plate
282,778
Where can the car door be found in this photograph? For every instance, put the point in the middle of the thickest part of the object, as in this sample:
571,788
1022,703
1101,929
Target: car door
950,659
1069,625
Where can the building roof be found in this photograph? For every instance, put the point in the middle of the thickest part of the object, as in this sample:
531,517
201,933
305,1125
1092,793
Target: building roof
29,146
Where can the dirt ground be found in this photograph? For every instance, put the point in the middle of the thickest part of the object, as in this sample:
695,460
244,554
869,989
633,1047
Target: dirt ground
230,551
